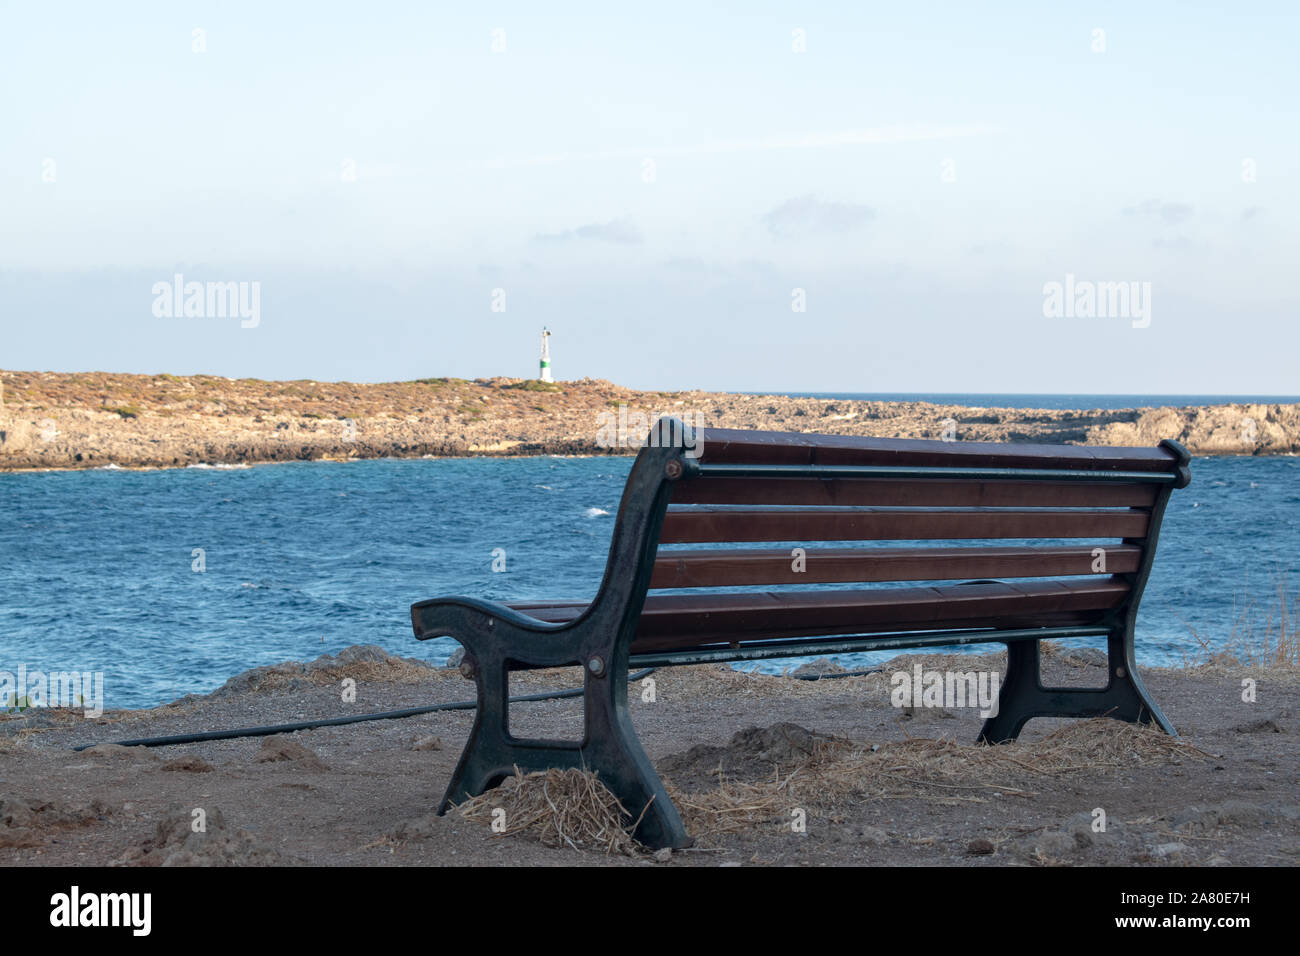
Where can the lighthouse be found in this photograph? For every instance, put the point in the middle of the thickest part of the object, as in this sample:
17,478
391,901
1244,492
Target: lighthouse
544,373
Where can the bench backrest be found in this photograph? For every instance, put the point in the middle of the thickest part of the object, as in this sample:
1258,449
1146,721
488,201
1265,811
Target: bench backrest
937,512
801,489
946,513
935,527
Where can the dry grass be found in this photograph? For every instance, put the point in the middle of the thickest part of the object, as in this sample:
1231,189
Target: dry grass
33,720
573,808
394,671
722,682
561,808
732,806
842,771
1260,636
212,395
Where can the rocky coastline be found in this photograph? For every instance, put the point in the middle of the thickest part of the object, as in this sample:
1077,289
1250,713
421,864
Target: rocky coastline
51,420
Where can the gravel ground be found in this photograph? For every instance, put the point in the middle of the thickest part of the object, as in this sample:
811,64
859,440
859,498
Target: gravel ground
745,756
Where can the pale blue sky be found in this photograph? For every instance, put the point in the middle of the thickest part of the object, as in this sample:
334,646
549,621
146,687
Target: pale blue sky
774,170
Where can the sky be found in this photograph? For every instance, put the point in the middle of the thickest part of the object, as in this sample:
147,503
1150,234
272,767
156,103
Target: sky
856,197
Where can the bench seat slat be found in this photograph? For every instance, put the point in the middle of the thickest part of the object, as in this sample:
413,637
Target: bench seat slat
685,620
738,567
700,524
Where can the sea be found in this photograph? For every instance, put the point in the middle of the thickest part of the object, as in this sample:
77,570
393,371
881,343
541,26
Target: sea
170,581
1056,402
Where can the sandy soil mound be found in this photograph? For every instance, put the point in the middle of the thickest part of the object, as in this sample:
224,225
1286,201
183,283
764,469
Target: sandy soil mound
177,842
361,662
281,749
753,753
29,823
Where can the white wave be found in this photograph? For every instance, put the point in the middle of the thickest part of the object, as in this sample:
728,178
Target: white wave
595,512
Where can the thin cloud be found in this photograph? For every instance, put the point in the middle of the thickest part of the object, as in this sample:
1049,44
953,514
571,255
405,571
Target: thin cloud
616,230
1176,244
806,215
1170,213
686,264
858,137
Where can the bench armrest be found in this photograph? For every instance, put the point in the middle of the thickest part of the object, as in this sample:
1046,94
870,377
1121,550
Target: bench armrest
457,616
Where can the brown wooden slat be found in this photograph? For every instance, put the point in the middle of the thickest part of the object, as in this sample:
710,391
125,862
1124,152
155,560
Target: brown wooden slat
737,568
918,493
861,524
676,621
739,446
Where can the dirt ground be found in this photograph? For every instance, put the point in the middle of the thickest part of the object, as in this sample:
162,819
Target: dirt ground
747,758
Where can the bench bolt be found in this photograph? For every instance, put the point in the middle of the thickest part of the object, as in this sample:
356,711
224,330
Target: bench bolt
596,665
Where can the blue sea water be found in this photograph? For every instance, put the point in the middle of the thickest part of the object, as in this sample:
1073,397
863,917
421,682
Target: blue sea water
97,568
1057,401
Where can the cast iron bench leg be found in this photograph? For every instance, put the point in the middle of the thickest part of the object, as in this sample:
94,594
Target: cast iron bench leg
1023,695
610,747
615,753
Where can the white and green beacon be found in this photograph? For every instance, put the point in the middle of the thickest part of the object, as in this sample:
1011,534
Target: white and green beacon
544,366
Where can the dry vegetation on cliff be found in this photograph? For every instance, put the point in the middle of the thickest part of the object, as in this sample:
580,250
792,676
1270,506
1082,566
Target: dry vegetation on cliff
79,420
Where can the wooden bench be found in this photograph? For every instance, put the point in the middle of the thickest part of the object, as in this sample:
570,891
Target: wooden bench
749,487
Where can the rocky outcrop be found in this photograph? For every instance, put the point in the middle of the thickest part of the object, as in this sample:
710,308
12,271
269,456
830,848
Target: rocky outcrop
57,420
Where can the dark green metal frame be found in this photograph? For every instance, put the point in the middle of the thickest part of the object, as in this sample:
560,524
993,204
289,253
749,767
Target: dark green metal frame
1124,697
498,640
